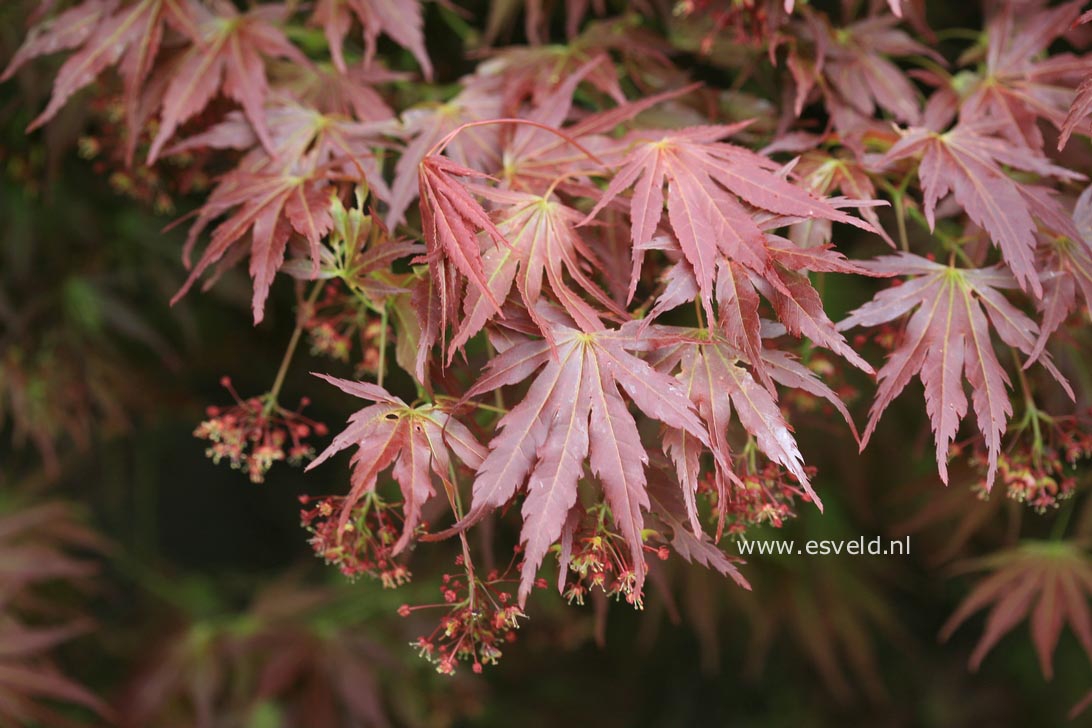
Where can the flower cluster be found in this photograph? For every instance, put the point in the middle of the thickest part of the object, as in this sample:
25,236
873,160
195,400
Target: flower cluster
601,559
256,432
360,542
1040,476
768,496
111,151
338,319
480,617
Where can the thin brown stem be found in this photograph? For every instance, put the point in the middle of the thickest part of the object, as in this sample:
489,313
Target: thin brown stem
293,343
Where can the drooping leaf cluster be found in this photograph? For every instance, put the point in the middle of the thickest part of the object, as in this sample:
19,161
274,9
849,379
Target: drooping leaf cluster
597,276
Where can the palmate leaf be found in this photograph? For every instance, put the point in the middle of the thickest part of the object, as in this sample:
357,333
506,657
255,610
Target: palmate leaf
128,36
1082,102
825,173
967,161
229,57
573,413
693,546
1078,111
274,195
857,73
709,185
1018,86
451,219
271,205
714,376
415,440
1066,265
542,244
401,21
1049,581
426,126
946,341
784,284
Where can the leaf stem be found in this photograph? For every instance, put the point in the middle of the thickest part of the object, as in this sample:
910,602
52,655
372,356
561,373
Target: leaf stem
1057,532
383,318
293,344
457,507
1031,412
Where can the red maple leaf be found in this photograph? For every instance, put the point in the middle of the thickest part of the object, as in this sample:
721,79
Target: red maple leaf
967,162
1018,86
401,21
572,413
711,187
274,196
229,57
106,35
946,342
784,284
1050,581
414,440
542,243
714,377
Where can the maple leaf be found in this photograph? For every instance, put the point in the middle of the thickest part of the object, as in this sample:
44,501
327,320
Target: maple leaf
1049,580
451,219
708,183
1017,86
824,173
414,440
36,546
542,242
129,37
947,340
572,413
1082,101
693,546
227,56
859,77
966,161
401,21
27,678
1080,108
784,284
295,130
272,205
535,73
275,196
350,93
474,147
1066,269
711,375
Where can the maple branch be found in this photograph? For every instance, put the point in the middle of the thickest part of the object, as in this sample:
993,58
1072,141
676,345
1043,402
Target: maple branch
293,343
